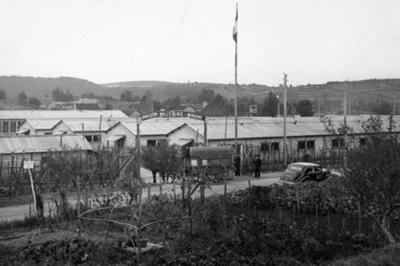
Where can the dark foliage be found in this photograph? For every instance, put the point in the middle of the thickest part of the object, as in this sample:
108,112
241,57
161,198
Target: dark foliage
3,95
22,98
305,108
34,102
59,95
270,105
382,108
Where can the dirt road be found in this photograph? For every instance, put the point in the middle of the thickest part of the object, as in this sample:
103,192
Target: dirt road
20,211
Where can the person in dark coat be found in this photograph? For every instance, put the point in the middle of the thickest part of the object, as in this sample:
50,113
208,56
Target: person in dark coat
236,163
154,176
257,167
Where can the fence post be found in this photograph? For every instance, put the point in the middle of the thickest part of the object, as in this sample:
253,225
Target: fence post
359,217
249,182
148,191
183,191
161,189
173,188
298,199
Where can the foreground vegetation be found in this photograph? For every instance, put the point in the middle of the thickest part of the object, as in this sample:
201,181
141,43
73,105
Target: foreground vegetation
256,226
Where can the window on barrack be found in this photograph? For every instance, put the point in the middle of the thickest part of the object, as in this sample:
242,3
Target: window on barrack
301,145
274,146
264,146
338,142
310,144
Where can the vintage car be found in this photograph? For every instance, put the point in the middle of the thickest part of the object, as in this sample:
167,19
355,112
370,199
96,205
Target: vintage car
304,171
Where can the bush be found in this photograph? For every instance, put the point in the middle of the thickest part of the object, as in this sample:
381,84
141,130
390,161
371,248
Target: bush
328,196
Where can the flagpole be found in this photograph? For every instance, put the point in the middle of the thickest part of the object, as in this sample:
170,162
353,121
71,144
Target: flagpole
236,85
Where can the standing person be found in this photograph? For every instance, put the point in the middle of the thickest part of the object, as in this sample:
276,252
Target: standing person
154,176
257,167
237,165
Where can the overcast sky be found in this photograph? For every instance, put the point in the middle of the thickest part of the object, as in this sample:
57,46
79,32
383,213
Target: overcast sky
314,41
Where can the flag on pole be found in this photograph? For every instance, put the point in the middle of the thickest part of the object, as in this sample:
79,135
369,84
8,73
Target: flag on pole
235,26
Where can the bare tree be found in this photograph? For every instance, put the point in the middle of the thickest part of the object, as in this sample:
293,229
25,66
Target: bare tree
372,174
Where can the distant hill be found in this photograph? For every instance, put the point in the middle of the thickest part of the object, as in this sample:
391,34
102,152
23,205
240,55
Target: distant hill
40,87
362,94
372,89
359,92
164,90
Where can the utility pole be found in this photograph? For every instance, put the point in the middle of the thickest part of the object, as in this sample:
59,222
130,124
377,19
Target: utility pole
319,106
349,106
393,107
345,106
205,131
139,224
278,110
284,117
345,123
101,118
235,37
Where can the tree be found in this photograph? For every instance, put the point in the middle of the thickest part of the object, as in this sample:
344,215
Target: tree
305,108
60,95
35,102
270,105
3,95
372,174
144,99
219,107
89,95
382,108
126,96
22,98
157,105
149,94
206,95
108,106
162,158
62,169
135,98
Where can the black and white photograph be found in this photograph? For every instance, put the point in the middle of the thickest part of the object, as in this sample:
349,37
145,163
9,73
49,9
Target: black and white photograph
200,132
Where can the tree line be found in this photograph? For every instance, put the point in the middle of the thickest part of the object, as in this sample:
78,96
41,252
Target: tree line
214,104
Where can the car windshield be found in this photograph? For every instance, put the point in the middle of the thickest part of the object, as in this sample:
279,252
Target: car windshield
293,170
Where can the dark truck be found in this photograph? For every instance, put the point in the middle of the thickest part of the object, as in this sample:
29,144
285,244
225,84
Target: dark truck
303,171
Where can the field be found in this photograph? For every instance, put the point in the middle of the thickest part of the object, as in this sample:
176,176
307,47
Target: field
257,226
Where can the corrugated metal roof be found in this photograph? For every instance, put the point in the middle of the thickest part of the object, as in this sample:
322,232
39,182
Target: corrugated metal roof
152,128
60,114
42,124
88,124
268,127
38,144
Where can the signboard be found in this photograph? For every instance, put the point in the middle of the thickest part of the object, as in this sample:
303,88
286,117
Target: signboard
172,114
193,162
253,109
28,164
210,153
